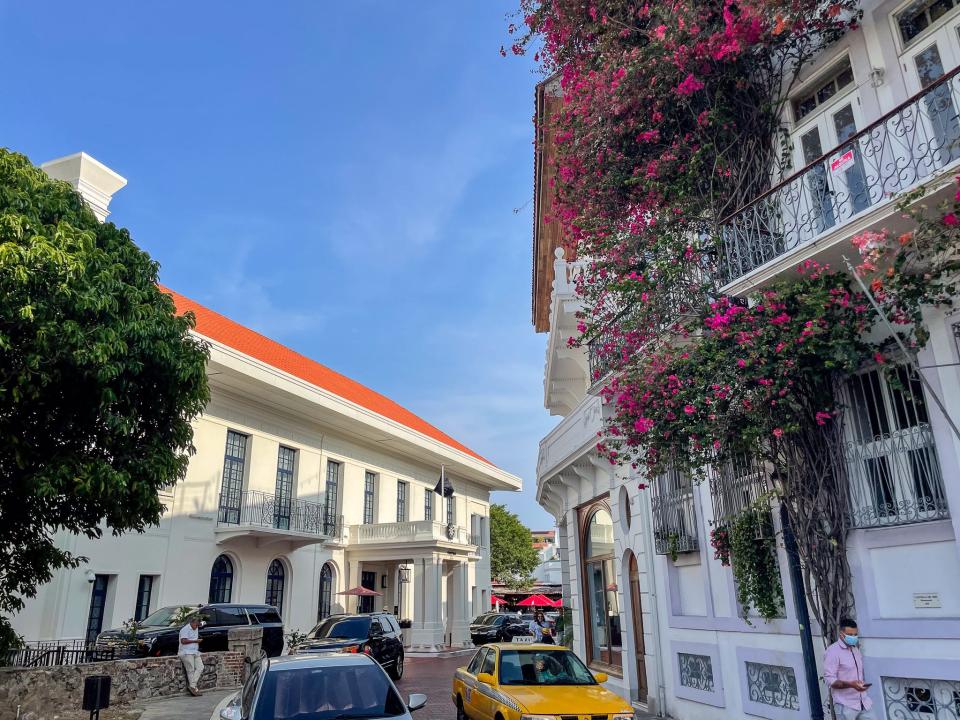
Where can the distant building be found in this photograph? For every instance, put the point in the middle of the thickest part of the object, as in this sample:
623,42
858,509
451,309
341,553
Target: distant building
304,483
544,538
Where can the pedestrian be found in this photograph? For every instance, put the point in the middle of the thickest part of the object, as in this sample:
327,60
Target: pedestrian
843,673
541,628
189,652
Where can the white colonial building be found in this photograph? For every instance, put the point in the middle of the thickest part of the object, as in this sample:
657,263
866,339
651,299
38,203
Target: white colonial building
877,114
304,484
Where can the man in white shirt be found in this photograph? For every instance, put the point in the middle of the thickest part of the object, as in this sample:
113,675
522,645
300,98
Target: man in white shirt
189,653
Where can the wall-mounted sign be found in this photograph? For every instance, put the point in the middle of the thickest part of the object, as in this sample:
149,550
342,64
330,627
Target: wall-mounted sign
926,600
841,162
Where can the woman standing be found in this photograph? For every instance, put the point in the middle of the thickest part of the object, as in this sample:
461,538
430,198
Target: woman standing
541,628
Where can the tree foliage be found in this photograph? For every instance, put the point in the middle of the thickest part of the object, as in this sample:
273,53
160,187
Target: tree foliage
99,380
512,555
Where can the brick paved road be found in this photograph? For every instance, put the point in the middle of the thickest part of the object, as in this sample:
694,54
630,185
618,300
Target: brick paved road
434,678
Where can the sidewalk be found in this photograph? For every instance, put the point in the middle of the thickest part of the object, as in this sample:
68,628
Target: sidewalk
185,707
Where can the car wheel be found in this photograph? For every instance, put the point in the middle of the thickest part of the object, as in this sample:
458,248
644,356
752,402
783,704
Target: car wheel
461,713
396,672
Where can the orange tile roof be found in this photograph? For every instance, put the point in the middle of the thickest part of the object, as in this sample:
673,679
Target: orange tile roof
224,330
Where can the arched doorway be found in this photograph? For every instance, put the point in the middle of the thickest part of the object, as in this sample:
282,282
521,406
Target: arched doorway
601,606
636,610
326,591
221,580
276,580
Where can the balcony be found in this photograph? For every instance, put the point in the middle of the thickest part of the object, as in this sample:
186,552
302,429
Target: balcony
269,519
915,143
415,532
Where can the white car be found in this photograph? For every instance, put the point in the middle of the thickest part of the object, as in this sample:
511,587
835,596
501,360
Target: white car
333,686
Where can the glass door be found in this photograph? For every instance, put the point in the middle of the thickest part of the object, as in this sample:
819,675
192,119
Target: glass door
817,214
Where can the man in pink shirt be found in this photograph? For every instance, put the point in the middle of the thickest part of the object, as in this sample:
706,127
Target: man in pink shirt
843,673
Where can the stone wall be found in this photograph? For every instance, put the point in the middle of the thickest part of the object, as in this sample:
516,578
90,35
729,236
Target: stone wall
41,693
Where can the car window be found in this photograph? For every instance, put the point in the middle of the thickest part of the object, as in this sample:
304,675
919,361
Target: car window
344,692
489,662
264,615
474,667
229,616
498,620
393,623
375,628
250,688
344,628
543,667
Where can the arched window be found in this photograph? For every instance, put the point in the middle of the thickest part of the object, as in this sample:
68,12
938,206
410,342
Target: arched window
221,580
275,582
602,606
326,591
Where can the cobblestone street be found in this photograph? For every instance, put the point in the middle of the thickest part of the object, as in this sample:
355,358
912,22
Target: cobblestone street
434,678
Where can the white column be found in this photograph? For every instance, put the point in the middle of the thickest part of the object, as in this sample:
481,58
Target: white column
427,631
460,605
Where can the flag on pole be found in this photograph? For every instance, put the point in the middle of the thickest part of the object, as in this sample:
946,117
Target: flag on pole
444,486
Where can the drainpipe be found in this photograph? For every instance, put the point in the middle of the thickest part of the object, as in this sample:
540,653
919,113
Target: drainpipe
654,608
803,617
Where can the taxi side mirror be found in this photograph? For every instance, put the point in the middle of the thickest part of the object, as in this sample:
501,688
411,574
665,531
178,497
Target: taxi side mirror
486,679
601,677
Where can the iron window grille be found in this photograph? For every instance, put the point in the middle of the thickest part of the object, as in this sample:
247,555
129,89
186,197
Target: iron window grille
286,459
696,671
369,496
674,513
893,472
774,685
231,486
737,485
921,699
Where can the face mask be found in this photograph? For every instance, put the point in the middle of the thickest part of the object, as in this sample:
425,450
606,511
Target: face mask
851,639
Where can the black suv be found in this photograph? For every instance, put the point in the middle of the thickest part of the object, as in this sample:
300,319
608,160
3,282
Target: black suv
159,632
375,634
498,627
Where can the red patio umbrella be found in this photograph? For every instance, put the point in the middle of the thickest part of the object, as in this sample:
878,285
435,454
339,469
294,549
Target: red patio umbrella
536,601
360,592
497,600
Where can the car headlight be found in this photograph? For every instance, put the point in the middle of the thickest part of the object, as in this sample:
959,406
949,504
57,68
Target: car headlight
538,717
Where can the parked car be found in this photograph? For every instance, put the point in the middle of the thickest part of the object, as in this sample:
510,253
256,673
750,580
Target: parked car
334,686
375,634
159,633
497,627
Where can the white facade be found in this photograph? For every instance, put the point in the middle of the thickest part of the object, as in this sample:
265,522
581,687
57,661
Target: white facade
672,636
290,480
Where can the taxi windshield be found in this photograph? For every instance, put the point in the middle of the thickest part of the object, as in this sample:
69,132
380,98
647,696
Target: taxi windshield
543,667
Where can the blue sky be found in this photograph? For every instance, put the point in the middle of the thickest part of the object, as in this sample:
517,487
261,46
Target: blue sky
343,177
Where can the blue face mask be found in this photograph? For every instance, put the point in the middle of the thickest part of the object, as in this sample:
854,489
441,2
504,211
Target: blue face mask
851,639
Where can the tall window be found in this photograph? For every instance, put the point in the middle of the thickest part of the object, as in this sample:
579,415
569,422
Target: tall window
333,492
221,580
602,608
451,516
892,467
275,583
401,501
326,591
284,493
369,497
98,604
144,595
428,504
231,487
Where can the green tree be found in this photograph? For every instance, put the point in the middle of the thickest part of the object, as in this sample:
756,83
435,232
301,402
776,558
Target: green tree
99,381
512,555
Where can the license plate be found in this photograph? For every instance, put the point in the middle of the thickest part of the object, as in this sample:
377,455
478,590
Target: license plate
523,639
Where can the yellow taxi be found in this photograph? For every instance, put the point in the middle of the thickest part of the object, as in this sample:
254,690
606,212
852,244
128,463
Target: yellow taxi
512,681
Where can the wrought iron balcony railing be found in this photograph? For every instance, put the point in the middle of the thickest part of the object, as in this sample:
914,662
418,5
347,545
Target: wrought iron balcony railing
253,508
674,514
909,145
737,485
